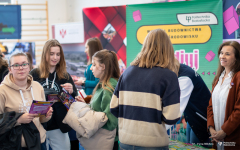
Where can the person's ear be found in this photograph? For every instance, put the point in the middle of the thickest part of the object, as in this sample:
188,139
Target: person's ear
102,67
9,69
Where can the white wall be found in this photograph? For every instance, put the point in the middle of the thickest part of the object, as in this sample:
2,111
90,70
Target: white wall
74,7
57,13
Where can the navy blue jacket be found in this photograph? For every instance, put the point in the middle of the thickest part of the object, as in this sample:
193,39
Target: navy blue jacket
196,109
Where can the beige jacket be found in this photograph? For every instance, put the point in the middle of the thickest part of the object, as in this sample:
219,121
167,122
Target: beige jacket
11,100
87,123
83,120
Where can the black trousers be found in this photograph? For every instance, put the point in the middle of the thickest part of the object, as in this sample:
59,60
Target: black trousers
74,145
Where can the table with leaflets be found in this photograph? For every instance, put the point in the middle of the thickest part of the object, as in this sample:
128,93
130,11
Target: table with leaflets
177,145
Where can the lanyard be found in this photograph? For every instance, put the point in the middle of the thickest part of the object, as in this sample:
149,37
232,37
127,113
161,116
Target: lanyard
52,82
25,101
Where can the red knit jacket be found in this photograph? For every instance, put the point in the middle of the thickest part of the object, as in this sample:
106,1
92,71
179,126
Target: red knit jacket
231,125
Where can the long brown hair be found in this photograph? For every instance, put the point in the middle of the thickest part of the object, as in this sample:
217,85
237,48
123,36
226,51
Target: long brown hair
157,50
109,59
45,66
94,45
2,61
236,67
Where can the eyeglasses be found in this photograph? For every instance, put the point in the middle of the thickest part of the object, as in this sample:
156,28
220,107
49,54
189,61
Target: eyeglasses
17,66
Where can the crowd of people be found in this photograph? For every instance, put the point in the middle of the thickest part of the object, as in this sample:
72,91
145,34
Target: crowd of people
140,104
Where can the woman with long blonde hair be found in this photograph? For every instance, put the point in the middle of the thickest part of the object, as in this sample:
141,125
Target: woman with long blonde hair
147,95
52,74
156,51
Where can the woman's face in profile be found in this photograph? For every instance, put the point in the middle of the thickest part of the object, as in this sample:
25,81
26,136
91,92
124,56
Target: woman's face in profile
97,68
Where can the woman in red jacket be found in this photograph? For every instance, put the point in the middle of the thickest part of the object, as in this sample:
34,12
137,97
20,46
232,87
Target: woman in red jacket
223,116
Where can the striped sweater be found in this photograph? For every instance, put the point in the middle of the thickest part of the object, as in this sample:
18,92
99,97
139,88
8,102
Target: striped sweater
144,101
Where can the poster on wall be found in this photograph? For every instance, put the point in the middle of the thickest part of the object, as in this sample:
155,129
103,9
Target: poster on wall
195,29
109,25
71,37
231,15
68,33
10,22
9,48
76,61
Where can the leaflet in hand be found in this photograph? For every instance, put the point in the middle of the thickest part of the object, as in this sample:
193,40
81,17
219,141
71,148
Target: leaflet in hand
66,98
82,93
53,97
40,107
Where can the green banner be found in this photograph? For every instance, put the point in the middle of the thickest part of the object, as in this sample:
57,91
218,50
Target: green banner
194,27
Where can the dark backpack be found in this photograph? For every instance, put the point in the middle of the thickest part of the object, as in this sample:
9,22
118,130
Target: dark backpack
48,91
5,72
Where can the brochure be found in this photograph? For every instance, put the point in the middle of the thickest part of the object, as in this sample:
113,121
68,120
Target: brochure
66,98
82,93
40,107
53,97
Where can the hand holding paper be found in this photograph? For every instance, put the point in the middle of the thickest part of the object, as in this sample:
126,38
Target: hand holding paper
49,113
40,107
68,87
84,96
26,118
66,98
80,99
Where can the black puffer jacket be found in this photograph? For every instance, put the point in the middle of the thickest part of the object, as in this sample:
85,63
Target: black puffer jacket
10,135
3,73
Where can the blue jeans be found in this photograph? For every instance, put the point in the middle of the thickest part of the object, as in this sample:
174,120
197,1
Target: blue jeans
43,147
57,140
132,147
191,137
80,147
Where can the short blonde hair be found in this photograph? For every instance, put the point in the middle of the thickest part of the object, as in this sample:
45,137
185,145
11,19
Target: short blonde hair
17,54
157,50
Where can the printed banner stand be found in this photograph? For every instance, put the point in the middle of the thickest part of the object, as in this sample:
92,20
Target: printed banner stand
195,30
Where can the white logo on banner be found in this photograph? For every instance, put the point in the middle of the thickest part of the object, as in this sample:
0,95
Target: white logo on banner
69,33
197,19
